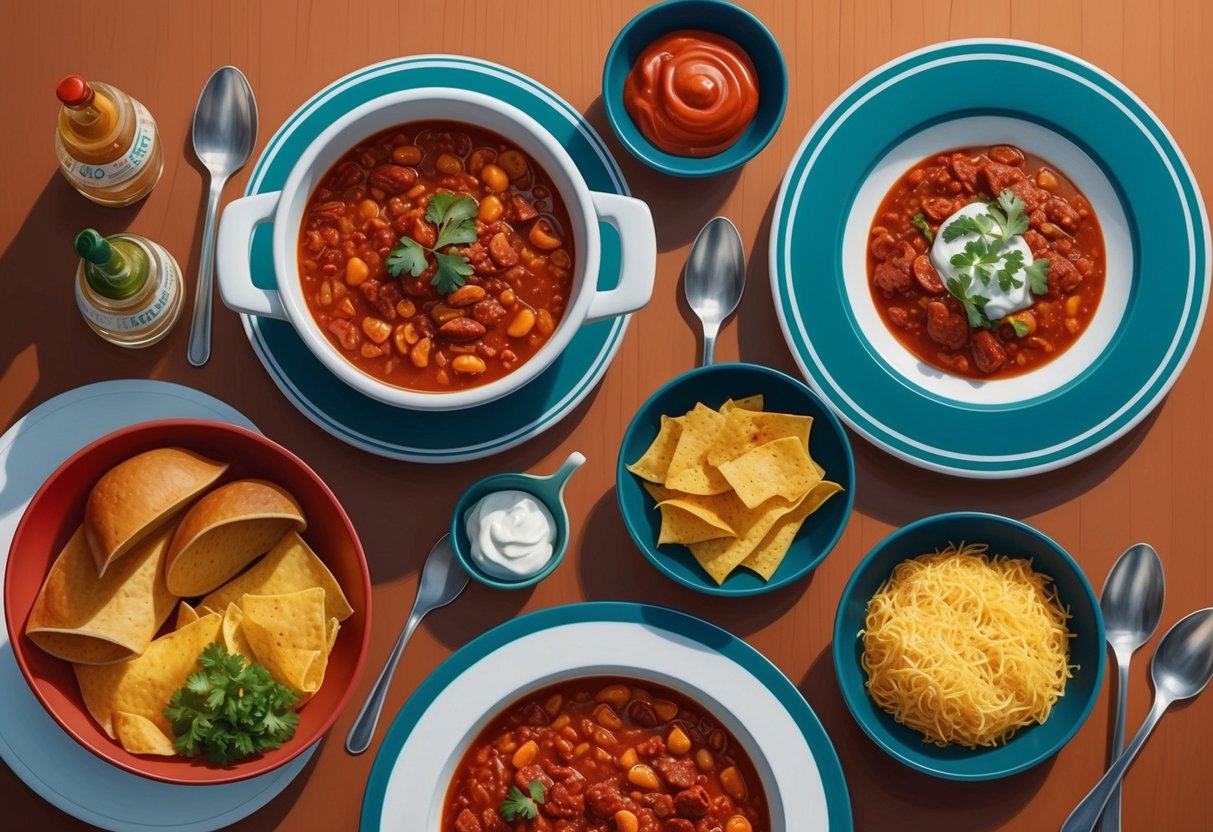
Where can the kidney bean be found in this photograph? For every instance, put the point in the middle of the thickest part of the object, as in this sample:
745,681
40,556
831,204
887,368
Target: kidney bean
424,232
988,353
346,175
424,326
946,328
392,179
346,332
692,802
462,329
502,251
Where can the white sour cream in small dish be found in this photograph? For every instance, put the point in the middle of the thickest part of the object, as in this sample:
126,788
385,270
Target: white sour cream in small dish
512,534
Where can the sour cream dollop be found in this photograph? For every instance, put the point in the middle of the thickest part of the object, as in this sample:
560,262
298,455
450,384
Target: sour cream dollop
1001,303
512,534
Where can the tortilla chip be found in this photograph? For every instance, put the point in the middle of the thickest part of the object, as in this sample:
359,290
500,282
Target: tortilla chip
289,635
139,735
144,685
745,430
767,556
86,619
754,402
655,463
780,468
685,521
333,628
689,471
289,567
186,615
720,557
233,633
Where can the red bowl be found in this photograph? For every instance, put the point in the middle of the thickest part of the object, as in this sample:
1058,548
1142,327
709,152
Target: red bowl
58,509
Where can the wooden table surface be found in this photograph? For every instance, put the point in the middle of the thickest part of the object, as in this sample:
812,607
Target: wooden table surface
1155,484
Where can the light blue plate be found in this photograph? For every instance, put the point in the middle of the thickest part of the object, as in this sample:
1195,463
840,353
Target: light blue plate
1048,425
435,436
447,709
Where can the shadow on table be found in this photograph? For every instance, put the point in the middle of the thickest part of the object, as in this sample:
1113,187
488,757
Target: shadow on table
759,338
41,262
680,206
613,569
273,814
896,492
887,795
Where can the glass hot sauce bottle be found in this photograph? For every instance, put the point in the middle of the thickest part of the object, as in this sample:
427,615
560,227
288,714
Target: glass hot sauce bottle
128,288
107,142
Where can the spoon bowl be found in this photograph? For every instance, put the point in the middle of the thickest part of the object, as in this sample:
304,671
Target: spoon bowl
714,279
225,131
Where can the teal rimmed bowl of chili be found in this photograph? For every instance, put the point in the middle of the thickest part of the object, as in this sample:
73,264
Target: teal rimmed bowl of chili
712,385
547,490
719,18
1029,746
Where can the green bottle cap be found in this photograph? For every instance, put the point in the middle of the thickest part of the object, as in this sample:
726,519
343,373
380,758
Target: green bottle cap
114,268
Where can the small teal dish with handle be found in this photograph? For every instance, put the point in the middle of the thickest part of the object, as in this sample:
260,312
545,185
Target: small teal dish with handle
548,491
712,385
1030,745
718,17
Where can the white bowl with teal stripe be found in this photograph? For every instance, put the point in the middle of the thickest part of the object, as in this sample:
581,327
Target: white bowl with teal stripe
1079,118
284,211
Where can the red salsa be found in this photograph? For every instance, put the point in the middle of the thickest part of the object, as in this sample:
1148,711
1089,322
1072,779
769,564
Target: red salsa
925,316
370,224
606,755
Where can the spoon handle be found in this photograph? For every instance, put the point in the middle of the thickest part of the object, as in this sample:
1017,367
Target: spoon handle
1110,820
200,324
709,346
359,738
1086,814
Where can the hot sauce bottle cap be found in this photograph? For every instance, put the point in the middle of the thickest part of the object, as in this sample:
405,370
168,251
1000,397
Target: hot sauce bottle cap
74,91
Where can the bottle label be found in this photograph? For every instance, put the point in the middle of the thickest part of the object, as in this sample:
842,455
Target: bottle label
142,317
121,169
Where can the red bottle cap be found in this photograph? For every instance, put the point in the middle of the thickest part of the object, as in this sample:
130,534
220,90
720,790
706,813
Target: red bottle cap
74,91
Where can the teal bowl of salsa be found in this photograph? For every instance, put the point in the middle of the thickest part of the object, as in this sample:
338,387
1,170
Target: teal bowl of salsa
707,74
712,386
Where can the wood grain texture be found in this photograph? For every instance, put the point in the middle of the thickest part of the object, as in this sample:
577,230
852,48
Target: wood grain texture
1155,484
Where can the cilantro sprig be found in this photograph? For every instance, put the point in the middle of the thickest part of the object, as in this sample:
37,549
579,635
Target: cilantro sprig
518,805
230,709
455,218
988,259
920,221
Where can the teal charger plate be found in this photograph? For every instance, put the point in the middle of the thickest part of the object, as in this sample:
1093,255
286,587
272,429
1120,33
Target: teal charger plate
419,752
1030,746
435,437
828,445
716,16
1042,426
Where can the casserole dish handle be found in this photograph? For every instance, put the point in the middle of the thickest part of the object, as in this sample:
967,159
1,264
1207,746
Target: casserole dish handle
232,267
638,256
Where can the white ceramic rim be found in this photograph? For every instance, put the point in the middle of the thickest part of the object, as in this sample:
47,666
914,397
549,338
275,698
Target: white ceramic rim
430,104
422,771
1072,162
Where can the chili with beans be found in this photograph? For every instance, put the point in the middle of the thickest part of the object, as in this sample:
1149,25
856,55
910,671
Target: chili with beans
608,755
401,329
928,320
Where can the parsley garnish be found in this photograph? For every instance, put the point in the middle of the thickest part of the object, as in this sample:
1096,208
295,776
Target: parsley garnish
921,221
518,805
987,258
1021,329
455,218
231,708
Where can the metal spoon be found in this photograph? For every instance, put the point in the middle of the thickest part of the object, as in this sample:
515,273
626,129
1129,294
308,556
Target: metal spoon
1181,667
1131,601
714,279
441,582
225,130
